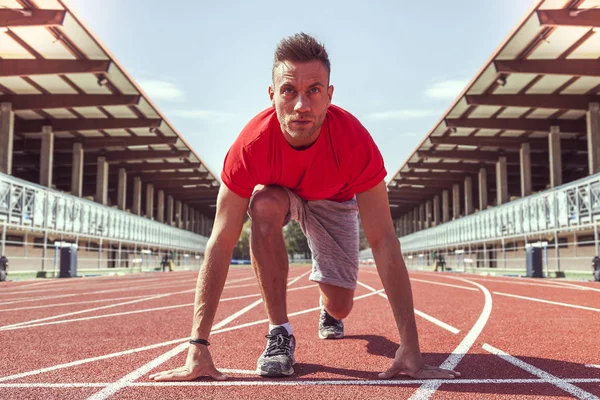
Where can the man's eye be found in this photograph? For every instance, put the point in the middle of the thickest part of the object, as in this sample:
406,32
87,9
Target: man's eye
315,90
288,91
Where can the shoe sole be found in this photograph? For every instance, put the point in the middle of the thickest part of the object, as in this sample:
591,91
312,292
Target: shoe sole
275,373
331,336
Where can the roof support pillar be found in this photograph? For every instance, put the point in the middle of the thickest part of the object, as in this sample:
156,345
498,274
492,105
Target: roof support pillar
456,201
428,215
150,200
46,156
160,208
436,210
555,156
178,216
7,134
593,138
468,195
421,216
445,206
185,221
483,189
102,181
77,170
137,196
525,156
501,181
169,210
122,190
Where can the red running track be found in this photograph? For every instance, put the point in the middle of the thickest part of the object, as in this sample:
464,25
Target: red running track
100,338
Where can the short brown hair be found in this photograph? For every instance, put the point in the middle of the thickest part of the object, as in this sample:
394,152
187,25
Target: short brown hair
301,48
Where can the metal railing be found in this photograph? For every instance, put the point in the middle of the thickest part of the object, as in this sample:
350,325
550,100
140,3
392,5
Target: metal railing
33,207
573,205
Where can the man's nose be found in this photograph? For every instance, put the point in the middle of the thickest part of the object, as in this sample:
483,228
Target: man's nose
301,104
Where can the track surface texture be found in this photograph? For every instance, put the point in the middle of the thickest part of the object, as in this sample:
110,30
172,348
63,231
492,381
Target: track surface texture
100,338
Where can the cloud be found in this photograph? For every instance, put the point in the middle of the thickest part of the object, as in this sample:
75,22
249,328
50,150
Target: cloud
402,115
202,114
448,89
161,90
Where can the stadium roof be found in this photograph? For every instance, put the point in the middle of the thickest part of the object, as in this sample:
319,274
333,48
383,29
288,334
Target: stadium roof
55,72
544,74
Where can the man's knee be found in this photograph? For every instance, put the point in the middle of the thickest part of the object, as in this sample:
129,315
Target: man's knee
339,309
268,209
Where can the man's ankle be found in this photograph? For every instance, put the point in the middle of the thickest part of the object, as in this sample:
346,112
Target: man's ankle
287,326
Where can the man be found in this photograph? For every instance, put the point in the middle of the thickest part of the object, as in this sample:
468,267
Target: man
3,267
307,160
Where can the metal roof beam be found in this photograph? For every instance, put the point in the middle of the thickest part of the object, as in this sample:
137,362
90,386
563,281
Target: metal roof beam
120,156
571,67
95,143
141,167
11,18
51,67
170,176
514,124
563,102
49,101
462,167
65,125
566,17
483,156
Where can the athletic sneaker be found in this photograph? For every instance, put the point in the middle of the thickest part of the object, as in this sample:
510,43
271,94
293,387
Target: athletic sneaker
278,357
329,327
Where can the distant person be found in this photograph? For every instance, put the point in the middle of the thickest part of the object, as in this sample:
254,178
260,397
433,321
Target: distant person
596,267
307,160
165,262
3,267
172,258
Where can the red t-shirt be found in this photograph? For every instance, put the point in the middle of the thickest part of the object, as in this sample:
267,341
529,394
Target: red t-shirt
343,161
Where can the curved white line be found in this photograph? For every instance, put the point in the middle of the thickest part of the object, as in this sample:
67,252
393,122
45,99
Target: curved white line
426,390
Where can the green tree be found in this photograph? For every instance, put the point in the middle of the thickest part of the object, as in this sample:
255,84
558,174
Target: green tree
241,251
295,241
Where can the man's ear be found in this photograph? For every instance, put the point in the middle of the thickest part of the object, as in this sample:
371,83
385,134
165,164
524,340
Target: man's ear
330,93
272,95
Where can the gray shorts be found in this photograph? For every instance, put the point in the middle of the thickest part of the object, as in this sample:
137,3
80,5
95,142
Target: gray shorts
331,229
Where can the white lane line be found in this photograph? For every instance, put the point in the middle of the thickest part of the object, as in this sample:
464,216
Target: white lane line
421,314
346,382
548,302
136,311
87,310
592,366
515,281
72,303
444,284
426,390
158,345
554,380
144,369
575,286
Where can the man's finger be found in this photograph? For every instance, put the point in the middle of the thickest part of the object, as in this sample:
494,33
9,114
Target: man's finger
216,374
390,373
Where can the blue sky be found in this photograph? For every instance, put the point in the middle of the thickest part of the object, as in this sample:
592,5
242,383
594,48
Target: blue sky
396,65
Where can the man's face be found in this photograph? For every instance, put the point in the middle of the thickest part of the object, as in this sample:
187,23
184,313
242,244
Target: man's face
301,94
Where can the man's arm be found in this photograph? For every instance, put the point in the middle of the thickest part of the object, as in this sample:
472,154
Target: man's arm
231,211
377,223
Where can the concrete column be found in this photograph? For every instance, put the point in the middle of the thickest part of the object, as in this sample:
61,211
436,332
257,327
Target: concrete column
436,210
525,164
178,218
122,189
77,170
191,220
202,225
413,221
169,210
406,224
468,195
456,201
428,215
46,156
198,223
137,196
185,216
593,138
501,181
150,200
101,181
555,156
7,135
421,217
483,189
160,209
445,206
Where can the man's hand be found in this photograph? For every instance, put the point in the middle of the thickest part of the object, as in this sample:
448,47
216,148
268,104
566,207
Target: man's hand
408,362
199,363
